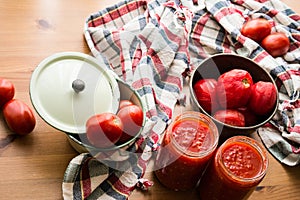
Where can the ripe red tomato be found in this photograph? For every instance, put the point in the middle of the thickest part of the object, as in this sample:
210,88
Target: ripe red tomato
19,117
231,117
7,91
124,103
132,118
233,88
250,118
206,94
276,44
256,29
104,130
263,98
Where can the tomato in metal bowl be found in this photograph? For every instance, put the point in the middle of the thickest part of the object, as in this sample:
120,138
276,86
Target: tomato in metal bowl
212,68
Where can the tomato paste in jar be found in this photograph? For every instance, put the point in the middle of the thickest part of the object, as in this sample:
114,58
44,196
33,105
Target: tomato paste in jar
187,146
238,167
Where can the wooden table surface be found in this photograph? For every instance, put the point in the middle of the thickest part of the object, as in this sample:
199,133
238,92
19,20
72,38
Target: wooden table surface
32,167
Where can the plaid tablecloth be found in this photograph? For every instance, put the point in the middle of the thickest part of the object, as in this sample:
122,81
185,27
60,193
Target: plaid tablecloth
152,45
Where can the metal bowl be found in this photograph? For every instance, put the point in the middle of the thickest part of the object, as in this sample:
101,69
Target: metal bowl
213,67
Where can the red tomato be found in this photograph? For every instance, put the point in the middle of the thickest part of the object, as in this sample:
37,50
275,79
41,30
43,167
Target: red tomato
250,117
233,89
19,117
206,95
276,44
132,118
104,130
124,103
7,91
256,29
263,98
231,117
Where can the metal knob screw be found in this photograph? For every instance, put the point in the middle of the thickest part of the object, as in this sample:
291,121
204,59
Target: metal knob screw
78,85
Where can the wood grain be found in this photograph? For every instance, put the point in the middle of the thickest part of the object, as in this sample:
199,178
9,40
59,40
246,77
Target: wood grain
32,167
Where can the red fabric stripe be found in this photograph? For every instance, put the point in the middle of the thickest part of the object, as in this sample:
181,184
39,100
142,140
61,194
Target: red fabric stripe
85,179
240,2
295,17
165,108
295,129
160,69
197,32
154,137
117,41
117,13
226,46
145,40
119,186
151,112
136,58
226,11
284,76
296,42
137,5
272,13
295,150
171,35
294,72
262,1
199,26
141,83
174,80
259,57
143,164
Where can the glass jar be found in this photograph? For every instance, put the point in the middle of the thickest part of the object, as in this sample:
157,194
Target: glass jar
238,167
188,144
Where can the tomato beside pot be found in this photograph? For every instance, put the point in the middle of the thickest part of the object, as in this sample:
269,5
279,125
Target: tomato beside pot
7,91
19,117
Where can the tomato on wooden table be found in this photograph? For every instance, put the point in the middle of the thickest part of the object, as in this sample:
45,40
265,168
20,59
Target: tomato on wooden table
19,117
7,91
104,130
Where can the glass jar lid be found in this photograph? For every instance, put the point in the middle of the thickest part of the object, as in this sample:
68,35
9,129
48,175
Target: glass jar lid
69,87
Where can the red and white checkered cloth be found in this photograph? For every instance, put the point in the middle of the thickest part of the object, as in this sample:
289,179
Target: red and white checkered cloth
150,45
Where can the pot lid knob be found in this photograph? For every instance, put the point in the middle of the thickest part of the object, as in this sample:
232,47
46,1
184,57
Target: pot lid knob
78,85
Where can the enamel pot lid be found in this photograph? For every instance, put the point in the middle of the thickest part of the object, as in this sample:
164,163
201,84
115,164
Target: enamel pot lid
67,88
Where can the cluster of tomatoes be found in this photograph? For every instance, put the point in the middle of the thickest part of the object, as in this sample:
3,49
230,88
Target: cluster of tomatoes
107,129
259,30
235,99
18,115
